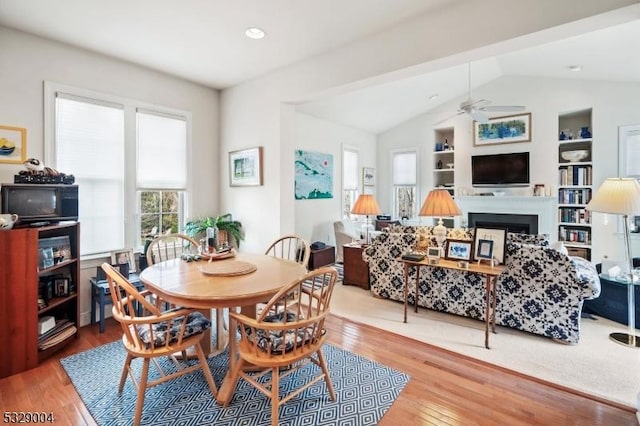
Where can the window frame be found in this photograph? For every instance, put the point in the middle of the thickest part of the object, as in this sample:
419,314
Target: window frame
352,193
132,217
395,187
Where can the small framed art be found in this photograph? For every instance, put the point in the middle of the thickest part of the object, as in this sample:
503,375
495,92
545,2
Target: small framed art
245,167
458,250
124,256
490,244
485,249
368,176
13,144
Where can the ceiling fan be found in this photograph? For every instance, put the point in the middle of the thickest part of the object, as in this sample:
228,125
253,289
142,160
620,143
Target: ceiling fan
478,108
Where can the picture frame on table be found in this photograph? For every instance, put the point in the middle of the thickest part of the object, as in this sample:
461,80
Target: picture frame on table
245,167
458,250
505,129
490,241
485,249
124,256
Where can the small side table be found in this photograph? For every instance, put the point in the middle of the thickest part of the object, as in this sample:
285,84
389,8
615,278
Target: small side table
101,295
630,338
356,270
322,257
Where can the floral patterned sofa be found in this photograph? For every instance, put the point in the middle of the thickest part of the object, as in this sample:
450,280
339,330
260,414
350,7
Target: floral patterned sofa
541,290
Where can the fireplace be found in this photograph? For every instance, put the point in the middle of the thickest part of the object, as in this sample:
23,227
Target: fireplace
517,223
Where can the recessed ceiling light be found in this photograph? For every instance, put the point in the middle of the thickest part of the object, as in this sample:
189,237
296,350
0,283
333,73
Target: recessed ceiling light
254,33
433,97
575,68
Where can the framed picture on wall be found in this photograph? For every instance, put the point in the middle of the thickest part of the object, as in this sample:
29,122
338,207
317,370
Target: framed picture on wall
506,129
368,176
245,167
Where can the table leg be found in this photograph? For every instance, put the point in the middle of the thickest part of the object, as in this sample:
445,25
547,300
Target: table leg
415,300
406,289
487,317
225,393
93,304
101,312
494,293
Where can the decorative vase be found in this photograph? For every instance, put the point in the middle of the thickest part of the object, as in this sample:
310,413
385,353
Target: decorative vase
585,133
439,164
563,136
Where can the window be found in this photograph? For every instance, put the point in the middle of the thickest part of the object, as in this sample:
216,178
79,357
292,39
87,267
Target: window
89,139
162,174
349,180
404,172
129,161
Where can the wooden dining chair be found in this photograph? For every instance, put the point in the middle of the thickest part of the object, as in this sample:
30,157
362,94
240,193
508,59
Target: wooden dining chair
170,246
151,333
288,333
291,247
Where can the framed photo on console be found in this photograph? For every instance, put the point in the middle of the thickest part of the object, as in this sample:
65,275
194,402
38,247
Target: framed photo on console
490,244
458,250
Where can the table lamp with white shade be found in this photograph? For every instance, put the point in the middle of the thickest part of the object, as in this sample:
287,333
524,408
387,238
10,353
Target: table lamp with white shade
439,203
621,196
366,205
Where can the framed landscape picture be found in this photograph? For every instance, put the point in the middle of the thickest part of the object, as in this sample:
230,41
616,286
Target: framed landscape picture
245,167
506,129
458,250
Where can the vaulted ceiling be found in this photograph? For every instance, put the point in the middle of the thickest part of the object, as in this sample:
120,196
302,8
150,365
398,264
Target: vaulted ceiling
203,41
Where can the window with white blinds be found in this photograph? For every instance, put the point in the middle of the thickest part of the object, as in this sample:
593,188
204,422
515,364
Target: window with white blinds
404,176
129,161
349,180
162,151
89,143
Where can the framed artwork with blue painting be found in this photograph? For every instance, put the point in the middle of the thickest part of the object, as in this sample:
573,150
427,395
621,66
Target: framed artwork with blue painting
313,175
506,129
458,250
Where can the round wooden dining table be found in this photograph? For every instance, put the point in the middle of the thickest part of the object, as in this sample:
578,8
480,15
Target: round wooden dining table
192,285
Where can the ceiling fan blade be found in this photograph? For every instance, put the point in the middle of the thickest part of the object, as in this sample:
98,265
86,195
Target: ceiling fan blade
506,108
479,116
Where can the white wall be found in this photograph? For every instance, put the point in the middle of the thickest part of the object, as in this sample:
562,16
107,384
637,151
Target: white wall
27,61
315,217
612,104
260,113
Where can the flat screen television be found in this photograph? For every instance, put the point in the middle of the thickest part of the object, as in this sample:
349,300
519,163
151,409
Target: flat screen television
510,169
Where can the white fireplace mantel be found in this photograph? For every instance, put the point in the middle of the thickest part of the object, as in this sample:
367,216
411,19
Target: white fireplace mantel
544,207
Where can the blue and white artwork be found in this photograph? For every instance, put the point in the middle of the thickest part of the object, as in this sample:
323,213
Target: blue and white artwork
313,175
513,128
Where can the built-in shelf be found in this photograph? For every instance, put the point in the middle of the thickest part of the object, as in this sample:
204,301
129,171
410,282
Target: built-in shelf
575,180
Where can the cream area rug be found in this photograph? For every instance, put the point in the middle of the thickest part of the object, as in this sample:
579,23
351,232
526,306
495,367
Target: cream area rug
596,365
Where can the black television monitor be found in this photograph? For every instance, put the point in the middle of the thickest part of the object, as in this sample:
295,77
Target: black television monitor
510,169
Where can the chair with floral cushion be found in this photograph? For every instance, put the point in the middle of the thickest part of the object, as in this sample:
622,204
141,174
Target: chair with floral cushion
152,333
288,333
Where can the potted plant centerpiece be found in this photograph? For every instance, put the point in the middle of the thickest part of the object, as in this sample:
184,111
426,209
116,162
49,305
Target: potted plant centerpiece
228,229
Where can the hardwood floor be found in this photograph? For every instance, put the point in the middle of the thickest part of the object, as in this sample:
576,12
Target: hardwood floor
445,388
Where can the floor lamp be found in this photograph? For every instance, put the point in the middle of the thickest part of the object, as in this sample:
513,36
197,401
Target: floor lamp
439,203
366,205
621,196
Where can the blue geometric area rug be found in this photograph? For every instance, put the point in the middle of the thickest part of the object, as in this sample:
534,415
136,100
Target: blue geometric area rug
364,389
